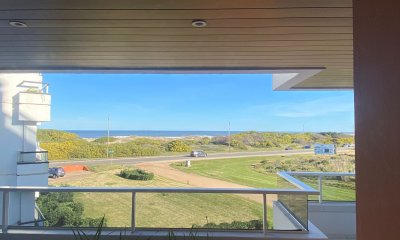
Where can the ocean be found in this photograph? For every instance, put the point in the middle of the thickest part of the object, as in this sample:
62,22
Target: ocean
148,133
154,133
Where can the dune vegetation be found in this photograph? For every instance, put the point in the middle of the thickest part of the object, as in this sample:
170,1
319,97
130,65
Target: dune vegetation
63,145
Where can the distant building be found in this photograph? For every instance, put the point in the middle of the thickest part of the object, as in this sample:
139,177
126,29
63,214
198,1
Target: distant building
328,149
349,145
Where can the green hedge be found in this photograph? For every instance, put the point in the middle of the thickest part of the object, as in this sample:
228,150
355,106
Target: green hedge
136,174
252,224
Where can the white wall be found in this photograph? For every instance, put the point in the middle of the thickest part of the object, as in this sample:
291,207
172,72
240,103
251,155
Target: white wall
17,136
34,107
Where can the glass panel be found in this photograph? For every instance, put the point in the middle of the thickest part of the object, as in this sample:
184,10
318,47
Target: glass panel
290,209
338,189
296,206
85,209
333,188
199,210
284,184
29,157
312,182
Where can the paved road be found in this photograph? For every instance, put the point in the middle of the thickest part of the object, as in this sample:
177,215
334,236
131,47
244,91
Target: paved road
126,161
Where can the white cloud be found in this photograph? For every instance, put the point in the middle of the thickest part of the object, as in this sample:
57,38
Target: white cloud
311,108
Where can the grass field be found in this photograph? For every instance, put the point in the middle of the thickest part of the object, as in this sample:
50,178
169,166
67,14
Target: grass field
237,170
157,209
173,210
246,171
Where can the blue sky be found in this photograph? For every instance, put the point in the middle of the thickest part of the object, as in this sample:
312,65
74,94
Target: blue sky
192,102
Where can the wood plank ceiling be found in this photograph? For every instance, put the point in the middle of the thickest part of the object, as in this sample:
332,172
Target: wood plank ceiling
137,34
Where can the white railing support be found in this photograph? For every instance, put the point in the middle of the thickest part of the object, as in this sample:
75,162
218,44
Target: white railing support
265,211
133,217
6,203
320,189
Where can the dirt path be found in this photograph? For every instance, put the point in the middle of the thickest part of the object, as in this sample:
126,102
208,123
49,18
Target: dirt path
163,169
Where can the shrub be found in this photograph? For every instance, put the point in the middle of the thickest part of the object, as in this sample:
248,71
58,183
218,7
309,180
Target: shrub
178,146
252,224
83,149
136,174
59,150
337,163
60,210
105,139
49,135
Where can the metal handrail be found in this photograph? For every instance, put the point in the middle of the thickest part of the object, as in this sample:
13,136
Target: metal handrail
45,88
294,181
301,189
159,190
264,191
320,176
42,151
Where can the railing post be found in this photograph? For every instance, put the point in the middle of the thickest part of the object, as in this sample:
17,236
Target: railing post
6,203
133,220
320,189
265,223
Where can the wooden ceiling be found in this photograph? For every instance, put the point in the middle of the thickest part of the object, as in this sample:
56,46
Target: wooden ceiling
157,34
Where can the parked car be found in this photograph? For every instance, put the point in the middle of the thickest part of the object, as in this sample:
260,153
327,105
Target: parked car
198,153
307,147
56,172
289,148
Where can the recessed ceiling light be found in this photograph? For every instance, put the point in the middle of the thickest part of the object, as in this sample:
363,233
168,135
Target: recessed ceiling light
199,23
18,24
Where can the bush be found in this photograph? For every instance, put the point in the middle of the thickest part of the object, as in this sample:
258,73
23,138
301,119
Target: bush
49,135
59,150
105,139
178,146
136,174
60,210
82,149
337,163
252,224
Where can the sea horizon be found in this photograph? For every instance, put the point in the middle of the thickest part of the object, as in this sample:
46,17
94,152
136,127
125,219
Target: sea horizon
148,133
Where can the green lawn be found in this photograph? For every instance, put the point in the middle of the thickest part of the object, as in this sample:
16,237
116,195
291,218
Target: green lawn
246,171
237,170
159,209
344,192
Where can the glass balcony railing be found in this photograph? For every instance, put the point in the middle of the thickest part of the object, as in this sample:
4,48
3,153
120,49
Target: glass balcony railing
33,157
333,186
261,211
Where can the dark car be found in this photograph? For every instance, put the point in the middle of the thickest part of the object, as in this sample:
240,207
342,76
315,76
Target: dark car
289,148
198,153
56,172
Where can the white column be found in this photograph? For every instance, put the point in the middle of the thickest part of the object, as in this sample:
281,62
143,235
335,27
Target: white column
16,136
